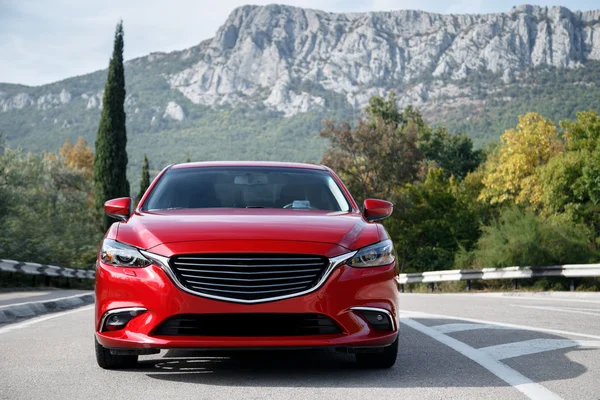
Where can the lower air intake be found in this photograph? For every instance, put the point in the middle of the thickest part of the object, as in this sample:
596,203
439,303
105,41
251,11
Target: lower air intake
268,324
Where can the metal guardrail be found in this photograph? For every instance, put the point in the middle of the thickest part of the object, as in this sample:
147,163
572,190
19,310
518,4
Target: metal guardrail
468,275
514,273
45,270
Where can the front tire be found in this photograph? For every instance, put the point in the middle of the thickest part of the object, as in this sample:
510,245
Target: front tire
384,359
106,360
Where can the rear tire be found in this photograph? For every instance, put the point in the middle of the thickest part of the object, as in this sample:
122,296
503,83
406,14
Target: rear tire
383,359
107,360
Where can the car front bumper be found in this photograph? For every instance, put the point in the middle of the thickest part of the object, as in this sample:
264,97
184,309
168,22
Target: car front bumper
339,298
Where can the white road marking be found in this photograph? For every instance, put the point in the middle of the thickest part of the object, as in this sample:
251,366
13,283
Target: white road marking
450,328
523,384
534,346
584,311
33,321
417,314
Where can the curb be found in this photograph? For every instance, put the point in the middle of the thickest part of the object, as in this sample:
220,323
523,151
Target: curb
16,312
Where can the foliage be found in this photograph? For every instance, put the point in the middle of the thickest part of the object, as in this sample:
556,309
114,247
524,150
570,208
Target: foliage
453,153
435,213
110,162
384,109
436,217
45,211
145,181
373,158
522,238
79,157
4,196
511,172
570,182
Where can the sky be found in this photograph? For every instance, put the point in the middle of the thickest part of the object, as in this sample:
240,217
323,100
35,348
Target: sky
43,41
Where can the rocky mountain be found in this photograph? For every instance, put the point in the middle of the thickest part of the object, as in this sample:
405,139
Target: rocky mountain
269,50
260,87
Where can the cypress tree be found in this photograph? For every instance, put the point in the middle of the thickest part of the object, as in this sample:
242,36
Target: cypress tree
145,182
110,160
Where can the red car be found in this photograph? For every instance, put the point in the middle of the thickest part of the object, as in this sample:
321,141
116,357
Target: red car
246,256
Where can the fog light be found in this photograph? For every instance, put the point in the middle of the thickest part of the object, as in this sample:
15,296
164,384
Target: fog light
377,319
115,320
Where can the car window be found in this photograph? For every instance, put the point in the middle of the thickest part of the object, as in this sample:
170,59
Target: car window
247,187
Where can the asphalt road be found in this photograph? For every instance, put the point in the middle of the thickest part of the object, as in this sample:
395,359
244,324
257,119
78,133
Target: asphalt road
452,347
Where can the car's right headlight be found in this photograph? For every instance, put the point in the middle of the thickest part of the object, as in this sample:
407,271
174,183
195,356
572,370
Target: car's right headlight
375,255
122,255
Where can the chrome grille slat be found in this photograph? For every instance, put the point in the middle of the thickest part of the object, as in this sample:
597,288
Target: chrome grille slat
250,259
250,286
218,278
250,292
248,276
249,266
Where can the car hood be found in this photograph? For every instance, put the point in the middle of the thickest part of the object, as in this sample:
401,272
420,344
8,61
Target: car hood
149,229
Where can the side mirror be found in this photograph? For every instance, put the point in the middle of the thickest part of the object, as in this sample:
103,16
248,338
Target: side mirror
376,210
120,208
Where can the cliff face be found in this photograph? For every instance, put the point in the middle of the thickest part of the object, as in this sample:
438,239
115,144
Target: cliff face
267,51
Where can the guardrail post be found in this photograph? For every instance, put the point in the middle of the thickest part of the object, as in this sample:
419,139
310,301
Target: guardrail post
401,287
468,285
572,285
515,284
431,287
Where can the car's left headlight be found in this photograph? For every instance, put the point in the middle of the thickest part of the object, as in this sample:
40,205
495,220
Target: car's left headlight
375,255
122,255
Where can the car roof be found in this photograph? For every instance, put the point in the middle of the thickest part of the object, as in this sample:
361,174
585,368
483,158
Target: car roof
272,164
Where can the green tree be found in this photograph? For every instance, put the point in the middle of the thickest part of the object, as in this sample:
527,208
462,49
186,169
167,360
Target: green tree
372,159
384,109
453,153
145,181
435,214
435,218
47,211
570,181
110,161
3,183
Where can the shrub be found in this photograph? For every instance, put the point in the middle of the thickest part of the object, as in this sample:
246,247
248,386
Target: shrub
521,238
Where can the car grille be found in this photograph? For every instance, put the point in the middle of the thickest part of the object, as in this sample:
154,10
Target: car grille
264,324
248,277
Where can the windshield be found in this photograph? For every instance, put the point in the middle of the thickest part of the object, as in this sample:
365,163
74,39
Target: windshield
246,187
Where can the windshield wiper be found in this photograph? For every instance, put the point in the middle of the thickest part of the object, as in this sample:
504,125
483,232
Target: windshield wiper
255,207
